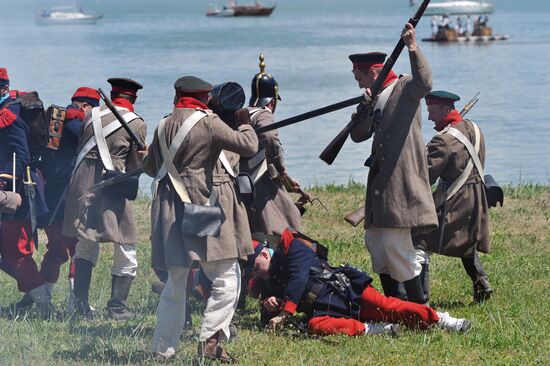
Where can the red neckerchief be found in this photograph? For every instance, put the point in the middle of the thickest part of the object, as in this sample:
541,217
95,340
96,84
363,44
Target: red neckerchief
74,113
391,77
189,102
7,117
450,119
124,103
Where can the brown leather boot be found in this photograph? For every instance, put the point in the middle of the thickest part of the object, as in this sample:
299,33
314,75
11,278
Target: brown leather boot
211,350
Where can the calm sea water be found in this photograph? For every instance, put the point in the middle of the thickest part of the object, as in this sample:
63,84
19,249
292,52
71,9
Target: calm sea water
306,44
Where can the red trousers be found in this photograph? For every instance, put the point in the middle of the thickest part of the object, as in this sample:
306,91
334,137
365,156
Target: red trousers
16,248
60,248
376,307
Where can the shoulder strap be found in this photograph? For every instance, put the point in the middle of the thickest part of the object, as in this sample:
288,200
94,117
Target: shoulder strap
384,96
227,165
168,166
106,131
473,152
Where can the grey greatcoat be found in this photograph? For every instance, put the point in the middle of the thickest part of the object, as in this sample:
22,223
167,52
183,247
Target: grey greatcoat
196,163
95,216
8,202
273,210
467,219
398,191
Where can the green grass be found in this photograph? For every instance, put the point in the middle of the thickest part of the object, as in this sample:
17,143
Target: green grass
511,329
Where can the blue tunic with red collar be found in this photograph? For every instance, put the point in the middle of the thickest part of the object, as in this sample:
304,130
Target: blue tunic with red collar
59,164
14,136
294,272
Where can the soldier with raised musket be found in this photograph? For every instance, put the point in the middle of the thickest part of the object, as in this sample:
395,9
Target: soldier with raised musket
398,199
195,215
107,215
273,209
456,155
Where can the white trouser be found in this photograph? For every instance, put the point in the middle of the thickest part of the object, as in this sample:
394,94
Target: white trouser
226,283
392,252
124,258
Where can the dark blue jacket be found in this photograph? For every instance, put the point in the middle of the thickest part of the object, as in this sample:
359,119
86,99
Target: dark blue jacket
59,164
14,138
295,273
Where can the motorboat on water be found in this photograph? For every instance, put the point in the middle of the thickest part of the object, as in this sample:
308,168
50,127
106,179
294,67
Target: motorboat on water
458,7
66,15
234,10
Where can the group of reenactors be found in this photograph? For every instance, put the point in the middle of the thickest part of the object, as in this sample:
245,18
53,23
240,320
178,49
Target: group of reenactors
201,214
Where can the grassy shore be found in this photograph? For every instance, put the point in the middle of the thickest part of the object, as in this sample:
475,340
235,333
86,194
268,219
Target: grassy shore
511,329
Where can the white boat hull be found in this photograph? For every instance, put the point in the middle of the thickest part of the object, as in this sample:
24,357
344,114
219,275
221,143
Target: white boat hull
459,8
69,18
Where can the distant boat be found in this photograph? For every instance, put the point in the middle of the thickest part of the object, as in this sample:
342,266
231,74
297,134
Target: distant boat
234,10
457,7
66,15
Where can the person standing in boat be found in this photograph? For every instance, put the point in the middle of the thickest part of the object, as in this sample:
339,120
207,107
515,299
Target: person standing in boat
398,199
460,198
273,209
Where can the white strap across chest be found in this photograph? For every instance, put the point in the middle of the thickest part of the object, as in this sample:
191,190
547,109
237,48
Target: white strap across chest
474,158
384,96
168,154
98,138
225,162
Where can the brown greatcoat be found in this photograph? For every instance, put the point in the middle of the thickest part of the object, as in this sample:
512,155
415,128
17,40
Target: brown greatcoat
96,216
8,203
196,163
398,191
273,210
467,219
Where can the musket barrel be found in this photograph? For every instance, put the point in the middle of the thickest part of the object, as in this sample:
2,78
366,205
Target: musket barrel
311,114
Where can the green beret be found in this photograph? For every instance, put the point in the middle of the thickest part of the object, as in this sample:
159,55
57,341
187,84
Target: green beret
441,96
192,84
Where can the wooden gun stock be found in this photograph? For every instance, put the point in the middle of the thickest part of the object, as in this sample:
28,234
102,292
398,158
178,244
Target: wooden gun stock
355,217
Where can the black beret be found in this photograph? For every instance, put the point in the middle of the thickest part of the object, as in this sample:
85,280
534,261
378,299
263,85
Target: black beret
442,95
124,84
192,84
371,57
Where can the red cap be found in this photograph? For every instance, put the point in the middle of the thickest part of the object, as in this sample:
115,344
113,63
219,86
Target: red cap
4,78
86,92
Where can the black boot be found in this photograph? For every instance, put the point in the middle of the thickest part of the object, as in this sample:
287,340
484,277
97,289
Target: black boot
82,279
474,269
116,306
415,292
425,280
392,287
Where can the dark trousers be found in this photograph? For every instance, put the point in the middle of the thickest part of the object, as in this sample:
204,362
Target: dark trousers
473,267
60,249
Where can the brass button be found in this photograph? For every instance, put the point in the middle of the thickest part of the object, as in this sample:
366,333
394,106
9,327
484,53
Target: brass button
377,192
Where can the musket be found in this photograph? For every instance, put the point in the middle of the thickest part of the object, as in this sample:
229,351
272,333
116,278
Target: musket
116,113
114,180
331,151
355,217
304,196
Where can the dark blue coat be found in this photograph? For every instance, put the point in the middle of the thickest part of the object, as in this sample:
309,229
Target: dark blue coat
14,138
59,164
294,273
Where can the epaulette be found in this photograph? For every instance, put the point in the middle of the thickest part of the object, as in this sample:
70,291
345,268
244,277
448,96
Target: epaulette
7,117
